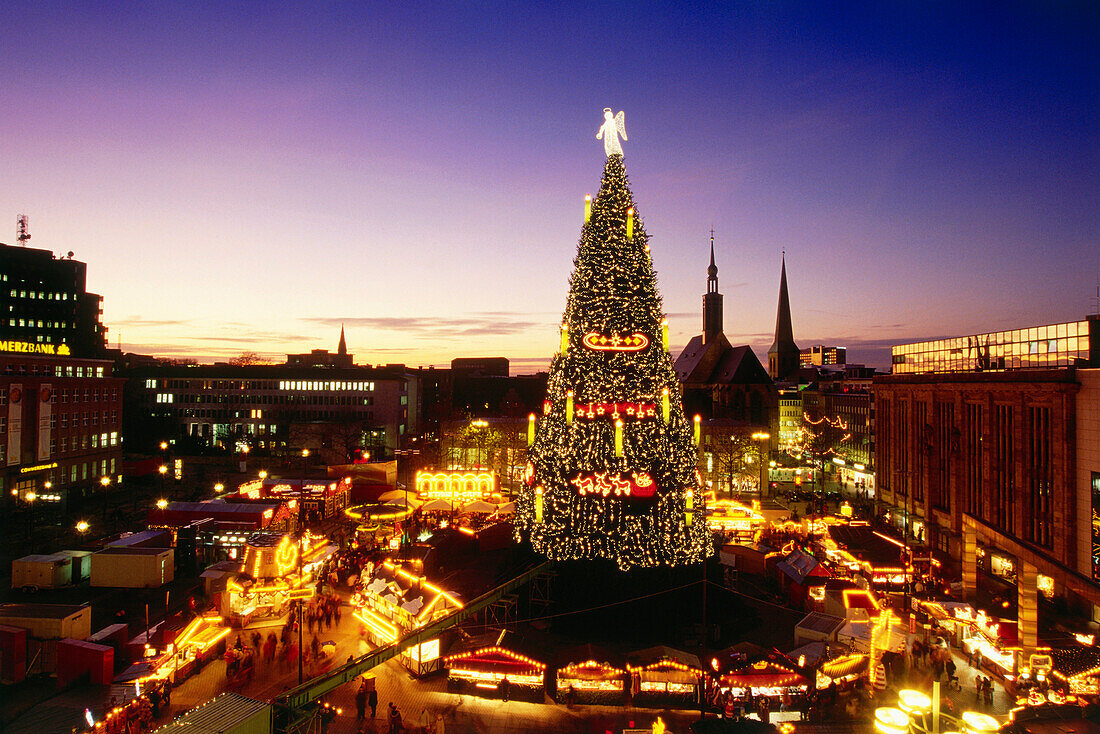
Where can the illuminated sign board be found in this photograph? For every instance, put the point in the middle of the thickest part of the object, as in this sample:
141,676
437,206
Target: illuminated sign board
37,467
59,350
455,485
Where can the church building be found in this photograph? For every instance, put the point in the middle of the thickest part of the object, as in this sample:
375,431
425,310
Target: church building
721,381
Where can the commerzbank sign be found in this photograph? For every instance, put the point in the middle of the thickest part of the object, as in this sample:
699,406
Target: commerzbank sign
60,350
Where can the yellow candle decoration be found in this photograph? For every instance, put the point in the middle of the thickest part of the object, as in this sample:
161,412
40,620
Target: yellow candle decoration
689,499
587,207
630,223
618,438
664,404
698,427
564,338
538,504
568,406
531,429
664,334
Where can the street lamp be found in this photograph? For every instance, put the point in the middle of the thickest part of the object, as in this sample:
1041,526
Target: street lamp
30,497
163,445
219,487
104,482
82,527
162,503
763,437
163,469
263,474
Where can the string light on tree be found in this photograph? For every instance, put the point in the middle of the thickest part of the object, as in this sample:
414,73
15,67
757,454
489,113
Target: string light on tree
608,480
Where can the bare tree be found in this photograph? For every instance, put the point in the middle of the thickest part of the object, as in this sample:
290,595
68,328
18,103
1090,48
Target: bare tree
246,359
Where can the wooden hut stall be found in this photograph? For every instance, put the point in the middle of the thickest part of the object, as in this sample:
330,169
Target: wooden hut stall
664,676
395,600
589,674
478,665
1077,669
770,674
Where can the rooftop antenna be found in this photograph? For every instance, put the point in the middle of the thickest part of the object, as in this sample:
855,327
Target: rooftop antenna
21,232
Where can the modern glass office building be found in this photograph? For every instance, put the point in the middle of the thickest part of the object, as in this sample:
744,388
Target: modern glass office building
1076,343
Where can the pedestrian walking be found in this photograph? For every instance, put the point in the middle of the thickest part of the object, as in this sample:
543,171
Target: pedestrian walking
372,701
361,702
505,686
395,719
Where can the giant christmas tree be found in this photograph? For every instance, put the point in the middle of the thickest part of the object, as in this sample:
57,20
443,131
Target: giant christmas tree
611,472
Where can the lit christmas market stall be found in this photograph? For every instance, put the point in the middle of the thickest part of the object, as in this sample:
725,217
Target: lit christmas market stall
771,674
478,665
663,676
392,601
589,674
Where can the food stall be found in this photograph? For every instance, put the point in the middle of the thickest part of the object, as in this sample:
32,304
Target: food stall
1078,669
995,639
588,674
735,519
663,676
477,665
316,498
882,560
201,641
765,673
392,600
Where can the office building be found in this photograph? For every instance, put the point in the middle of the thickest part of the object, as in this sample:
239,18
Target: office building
275,408
45,307
60,428
820,355
988,451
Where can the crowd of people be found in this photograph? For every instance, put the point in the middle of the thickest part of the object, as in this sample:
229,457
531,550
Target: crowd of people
141,713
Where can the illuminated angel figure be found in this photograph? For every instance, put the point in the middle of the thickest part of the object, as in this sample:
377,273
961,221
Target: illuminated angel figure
613,126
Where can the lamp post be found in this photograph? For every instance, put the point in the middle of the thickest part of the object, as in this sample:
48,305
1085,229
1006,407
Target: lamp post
105,482
763,437
162,470
408,471
29,499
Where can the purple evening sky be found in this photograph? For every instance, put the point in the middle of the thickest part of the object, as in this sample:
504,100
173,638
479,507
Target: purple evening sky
248,176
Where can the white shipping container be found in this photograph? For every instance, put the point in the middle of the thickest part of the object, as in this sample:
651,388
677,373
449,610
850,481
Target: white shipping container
41,572
133,568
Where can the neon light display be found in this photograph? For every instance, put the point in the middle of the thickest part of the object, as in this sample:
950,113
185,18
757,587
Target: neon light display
615,343
455,485
636,485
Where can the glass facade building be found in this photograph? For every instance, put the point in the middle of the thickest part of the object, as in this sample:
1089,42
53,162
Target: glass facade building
1076,343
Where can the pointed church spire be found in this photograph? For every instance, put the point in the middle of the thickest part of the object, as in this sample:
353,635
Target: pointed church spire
343,348
712,300
783,355
712,271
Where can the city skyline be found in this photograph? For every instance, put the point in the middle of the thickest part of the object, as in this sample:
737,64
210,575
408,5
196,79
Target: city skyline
233,187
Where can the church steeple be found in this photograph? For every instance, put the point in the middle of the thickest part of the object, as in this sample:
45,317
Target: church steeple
712,301
783,355
343,347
